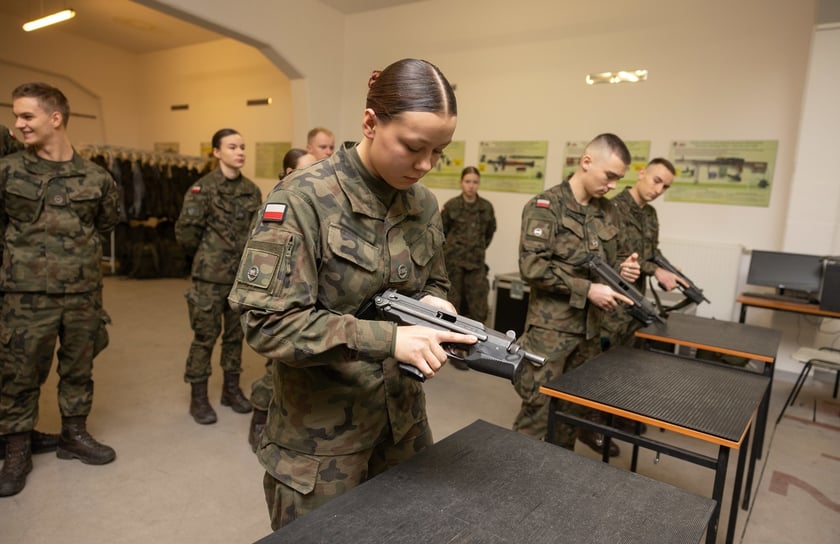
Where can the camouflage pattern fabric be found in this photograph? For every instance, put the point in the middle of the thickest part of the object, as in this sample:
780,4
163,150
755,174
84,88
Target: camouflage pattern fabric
214,223
329,239
262,388
469,291
212,228
30,324
75,202
469,229
640,229
210,316
8,143
51,284
558,235
563,352
299,483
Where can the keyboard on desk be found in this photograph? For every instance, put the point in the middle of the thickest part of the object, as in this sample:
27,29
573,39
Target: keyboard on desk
796,299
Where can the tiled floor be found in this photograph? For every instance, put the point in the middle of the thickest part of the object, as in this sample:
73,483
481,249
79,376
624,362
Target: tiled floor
176,481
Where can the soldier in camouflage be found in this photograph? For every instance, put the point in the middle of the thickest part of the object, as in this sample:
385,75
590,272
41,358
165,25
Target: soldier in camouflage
640,226
331,237
40,442
262,388
54,209
561,228
213,226
469,225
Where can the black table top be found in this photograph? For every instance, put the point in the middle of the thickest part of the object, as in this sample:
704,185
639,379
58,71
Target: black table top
749,341
681,394
485,484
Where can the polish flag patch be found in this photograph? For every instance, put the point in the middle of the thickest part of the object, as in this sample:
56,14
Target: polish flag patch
274,212
542,203
195,189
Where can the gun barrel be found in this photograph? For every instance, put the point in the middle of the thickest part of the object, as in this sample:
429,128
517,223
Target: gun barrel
534,358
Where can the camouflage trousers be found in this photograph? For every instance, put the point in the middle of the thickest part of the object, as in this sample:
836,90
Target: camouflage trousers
30,325
263,388
468,291
563,352
619,329
301,483
210,313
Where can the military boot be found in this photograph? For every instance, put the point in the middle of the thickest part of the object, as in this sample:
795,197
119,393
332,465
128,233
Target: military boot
17,465
75,443
39,443
256,429
200,408
596,440
232,395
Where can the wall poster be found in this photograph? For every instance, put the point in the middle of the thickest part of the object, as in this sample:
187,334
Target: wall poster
270,159
512,166
734,172
447,172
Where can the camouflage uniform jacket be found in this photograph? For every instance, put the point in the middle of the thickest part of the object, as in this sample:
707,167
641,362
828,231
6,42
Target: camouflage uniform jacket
8,143
52,216
324,246
558,235
640,228
214,224
469,229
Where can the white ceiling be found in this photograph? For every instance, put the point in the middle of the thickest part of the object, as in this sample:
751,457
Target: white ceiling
138,29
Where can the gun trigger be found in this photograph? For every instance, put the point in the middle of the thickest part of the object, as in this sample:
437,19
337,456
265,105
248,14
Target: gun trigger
456,352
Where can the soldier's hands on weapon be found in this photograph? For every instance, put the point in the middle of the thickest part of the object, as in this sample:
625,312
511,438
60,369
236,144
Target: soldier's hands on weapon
630,269
421,347
668,280
605,297
439,303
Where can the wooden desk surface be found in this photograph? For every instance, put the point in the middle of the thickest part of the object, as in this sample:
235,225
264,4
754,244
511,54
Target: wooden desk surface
708,402
495,486
759,343
785,306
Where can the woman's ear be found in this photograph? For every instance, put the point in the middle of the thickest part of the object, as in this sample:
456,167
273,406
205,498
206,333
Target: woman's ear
369,123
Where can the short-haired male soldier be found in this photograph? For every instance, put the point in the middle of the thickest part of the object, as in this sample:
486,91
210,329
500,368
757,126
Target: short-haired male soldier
640,226
320,143
54,208
40,442
561,228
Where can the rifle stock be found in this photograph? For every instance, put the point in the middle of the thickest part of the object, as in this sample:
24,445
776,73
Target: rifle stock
495,353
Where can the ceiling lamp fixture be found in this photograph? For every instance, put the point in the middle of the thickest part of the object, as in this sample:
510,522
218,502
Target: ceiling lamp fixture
57,17
633,76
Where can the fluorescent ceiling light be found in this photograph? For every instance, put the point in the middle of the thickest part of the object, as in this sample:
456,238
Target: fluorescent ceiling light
58,17
622,76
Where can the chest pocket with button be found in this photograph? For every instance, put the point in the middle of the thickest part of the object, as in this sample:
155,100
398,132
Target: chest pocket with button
24,199
83,199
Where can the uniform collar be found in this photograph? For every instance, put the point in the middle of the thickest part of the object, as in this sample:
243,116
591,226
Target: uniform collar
369,194
36,165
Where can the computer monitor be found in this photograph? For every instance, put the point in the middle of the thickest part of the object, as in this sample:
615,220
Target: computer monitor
789,273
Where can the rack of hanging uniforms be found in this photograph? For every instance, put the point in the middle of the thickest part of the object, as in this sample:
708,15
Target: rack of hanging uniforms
151,186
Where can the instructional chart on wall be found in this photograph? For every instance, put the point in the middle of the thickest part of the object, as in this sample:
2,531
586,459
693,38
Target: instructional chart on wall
270,158
447,172
639,157
512,166
738,173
